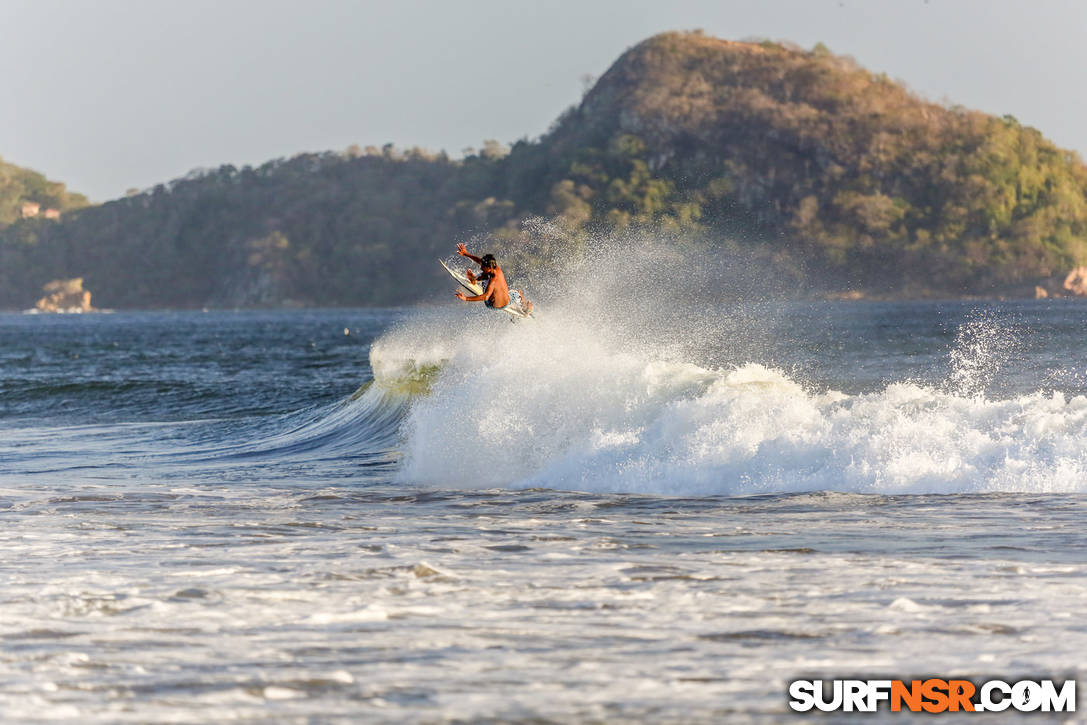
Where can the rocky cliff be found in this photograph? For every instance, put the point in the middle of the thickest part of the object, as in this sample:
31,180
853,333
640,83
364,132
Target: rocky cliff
65,296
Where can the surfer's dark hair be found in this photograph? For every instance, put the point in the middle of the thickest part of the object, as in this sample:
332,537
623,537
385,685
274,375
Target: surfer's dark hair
488,260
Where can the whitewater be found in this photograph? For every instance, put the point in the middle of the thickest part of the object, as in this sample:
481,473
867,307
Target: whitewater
637,507
602,396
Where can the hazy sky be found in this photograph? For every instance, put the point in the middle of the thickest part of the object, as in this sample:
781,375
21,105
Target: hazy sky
111,94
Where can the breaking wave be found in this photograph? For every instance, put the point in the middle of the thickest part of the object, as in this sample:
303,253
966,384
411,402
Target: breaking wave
613,389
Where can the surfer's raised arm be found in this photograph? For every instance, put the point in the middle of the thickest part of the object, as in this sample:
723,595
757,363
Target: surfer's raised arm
463,251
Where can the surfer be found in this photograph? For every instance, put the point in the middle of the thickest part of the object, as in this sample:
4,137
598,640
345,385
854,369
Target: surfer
496,292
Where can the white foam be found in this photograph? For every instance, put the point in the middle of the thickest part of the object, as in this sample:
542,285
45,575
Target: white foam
656,427
580,401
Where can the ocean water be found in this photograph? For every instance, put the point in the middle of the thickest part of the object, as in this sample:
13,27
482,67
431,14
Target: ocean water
436,515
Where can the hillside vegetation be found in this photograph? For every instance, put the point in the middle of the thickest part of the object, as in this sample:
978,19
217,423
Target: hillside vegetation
318,229
834,167
837,177
19,186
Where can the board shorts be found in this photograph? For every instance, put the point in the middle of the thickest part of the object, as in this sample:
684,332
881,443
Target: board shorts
515,299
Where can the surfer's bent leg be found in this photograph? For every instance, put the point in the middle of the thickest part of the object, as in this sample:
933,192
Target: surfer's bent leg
525,304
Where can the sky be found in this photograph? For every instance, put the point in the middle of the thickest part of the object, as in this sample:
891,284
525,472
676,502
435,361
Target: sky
117,94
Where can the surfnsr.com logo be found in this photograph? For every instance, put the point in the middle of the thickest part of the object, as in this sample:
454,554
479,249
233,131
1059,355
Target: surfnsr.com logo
932,695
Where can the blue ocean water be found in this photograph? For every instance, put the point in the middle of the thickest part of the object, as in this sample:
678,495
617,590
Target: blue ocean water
433,514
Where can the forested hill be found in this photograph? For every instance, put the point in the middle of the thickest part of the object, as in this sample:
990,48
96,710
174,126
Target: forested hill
841,179
837,169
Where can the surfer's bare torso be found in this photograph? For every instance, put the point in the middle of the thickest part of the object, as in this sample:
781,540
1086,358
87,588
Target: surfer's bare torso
496,292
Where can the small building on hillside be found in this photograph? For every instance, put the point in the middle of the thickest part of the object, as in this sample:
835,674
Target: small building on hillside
51,213
30,209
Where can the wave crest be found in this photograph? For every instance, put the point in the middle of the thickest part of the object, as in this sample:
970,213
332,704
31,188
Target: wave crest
682,430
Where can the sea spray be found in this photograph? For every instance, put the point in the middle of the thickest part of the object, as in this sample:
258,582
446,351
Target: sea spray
982,345
629,380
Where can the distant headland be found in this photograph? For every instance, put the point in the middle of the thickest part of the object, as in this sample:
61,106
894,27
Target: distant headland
837,181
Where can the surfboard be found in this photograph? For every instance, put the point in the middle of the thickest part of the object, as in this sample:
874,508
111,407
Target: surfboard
471,287
474,288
